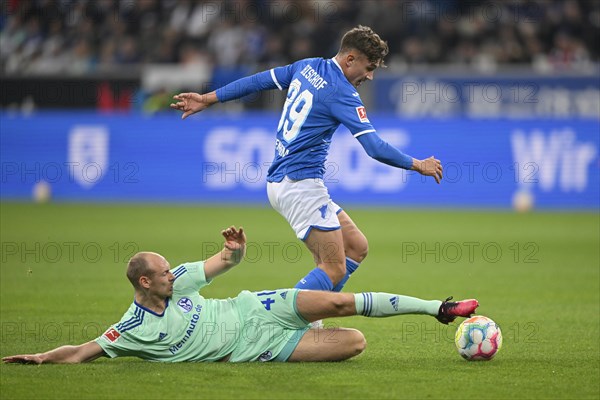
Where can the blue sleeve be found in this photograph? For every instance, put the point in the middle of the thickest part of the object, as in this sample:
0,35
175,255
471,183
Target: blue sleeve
382,151
245,86
282,76
276,78
348,109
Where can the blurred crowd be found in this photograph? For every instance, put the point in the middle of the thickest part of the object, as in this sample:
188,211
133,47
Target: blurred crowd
81,36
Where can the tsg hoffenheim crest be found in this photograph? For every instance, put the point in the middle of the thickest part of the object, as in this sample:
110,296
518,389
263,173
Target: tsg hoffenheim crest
185,304
88,154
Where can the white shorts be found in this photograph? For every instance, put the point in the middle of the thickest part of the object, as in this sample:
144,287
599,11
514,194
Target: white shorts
305,205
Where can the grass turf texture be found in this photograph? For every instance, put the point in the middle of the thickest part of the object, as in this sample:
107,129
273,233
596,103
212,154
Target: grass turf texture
543,289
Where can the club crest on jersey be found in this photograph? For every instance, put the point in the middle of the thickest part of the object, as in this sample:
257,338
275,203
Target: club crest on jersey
323,211
362,114
112,334
185,304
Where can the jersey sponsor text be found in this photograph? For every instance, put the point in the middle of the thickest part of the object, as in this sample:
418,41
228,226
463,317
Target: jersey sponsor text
188,333
280,148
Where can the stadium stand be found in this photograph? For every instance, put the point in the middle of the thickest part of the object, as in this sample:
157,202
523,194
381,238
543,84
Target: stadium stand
78,37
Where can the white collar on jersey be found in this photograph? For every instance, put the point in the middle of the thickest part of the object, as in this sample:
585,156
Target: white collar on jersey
338,65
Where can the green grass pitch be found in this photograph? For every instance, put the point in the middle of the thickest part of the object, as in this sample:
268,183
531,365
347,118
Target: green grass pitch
537,275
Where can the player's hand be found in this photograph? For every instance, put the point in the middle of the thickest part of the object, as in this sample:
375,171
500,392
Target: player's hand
430,167
23,359
234,239
191,103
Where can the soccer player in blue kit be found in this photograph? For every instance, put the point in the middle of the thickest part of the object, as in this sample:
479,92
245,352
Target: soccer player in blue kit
321,95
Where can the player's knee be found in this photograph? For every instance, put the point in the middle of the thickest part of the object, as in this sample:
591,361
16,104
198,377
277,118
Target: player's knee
358,248
359,343
343,304
363,249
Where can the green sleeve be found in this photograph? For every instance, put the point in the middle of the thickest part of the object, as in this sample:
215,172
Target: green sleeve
116,345
189,277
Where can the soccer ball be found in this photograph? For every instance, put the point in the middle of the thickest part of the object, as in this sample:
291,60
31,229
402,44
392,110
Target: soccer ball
478,338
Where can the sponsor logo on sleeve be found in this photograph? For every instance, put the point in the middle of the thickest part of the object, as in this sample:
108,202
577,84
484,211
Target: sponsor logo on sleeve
111,335
362,114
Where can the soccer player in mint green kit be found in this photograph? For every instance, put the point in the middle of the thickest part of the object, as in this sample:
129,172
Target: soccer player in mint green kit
170,321
321,95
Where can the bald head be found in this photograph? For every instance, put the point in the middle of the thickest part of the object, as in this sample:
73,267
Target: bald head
144,263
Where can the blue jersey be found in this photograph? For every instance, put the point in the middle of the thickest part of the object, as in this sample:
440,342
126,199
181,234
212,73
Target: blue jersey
319,99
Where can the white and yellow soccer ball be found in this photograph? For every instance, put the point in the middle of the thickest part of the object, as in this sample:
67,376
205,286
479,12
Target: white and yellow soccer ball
478,338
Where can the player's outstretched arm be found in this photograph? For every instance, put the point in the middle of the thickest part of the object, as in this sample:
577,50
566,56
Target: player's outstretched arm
233,252
429,167
382,151
62,355
191,103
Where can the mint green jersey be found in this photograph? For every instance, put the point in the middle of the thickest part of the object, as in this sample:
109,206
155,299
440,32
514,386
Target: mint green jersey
251,327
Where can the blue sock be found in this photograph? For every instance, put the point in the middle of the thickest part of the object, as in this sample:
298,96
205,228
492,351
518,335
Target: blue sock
351,266
316,279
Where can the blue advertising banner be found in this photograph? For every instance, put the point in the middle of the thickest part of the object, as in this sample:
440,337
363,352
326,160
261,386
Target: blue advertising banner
535,97
221,158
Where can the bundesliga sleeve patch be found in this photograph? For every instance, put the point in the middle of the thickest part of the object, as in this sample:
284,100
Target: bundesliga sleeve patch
111,334
362,114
